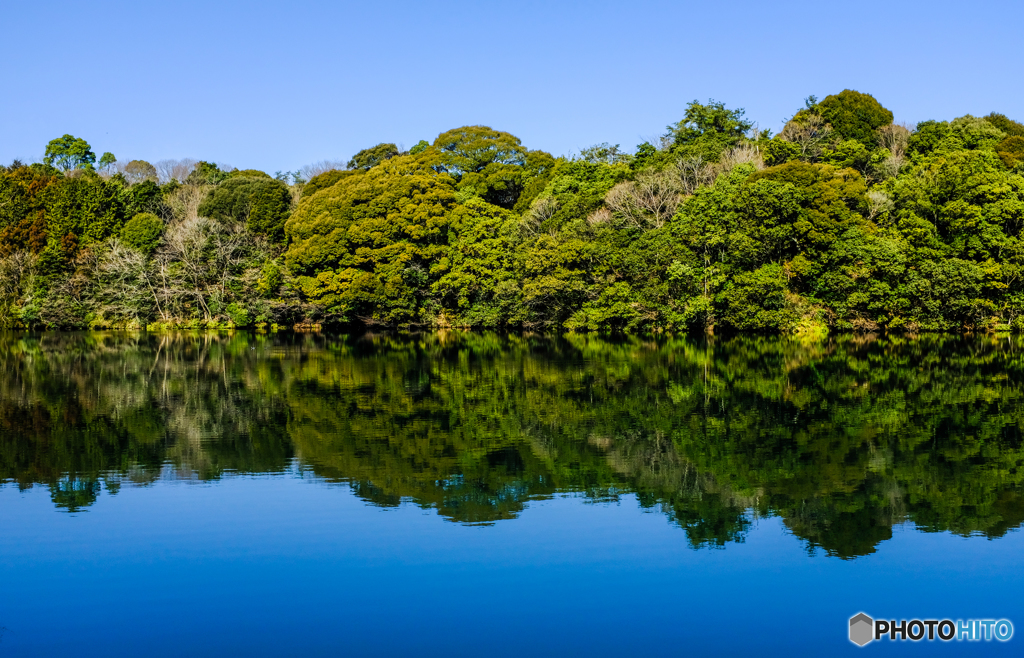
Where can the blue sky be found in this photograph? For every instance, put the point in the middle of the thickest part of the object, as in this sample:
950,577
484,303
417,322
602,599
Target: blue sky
275,86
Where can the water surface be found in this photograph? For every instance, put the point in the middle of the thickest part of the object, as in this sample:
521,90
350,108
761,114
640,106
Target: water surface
478,494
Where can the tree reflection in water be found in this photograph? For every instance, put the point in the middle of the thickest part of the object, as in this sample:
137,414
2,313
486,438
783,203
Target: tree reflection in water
842,438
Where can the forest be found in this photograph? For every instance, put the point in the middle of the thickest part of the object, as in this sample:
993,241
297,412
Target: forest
844,221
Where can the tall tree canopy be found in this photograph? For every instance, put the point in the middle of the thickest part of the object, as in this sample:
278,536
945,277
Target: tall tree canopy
365,247
261,202
485,162
712,119
69,152
373,156
854,115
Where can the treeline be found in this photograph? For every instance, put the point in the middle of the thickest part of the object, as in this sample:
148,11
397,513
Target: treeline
843,221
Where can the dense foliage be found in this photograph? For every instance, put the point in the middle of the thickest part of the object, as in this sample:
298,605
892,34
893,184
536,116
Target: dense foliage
842,221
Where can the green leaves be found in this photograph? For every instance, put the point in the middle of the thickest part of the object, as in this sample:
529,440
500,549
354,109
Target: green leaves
361,246
143,232
263,204
851,221
1011,151
69,152
471,149
712,120
373,156
487,163
854,115
756,301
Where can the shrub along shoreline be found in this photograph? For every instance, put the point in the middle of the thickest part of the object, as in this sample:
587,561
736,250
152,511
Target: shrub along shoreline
844,221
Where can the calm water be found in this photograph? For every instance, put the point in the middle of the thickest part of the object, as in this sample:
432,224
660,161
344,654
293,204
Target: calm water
472,494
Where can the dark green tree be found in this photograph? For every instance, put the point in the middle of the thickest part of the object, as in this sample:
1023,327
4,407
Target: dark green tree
373,156
69,152
712,119
205,173
263,204
854,115
106,161
1006,124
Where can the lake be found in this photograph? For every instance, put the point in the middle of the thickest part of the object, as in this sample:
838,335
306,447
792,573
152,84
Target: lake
473,494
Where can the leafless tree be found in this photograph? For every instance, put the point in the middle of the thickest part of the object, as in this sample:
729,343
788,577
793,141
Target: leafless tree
742,154
230,246
649,201
694,172
321,167
894,138
878,203
127,286
540,211
184,202
810,132
175,169
197,259
181,263
15,270
602,215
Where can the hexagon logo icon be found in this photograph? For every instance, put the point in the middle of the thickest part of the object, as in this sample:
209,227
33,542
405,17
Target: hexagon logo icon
861,629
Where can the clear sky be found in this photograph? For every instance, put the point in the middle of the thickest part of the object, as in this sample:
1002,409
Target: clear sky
275,85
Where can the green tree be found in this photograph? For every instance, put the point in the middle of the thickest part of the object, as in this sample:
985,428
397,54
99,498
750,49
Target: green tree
205,173
90,210
325,180
478,265
854,115
373,156
472,149
486,163
711,120
143,232
604,152
249,173
961,214
1005,124
364,246
69,152
262,203
106,161
928,136
1011,151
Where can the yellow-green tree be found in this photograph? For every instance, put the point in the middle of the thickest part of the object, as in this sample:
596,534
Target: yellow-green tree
363,248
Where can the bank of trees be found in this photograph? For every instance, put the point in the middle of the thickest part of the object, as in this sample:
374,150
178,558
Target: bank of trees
126,248
844,220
